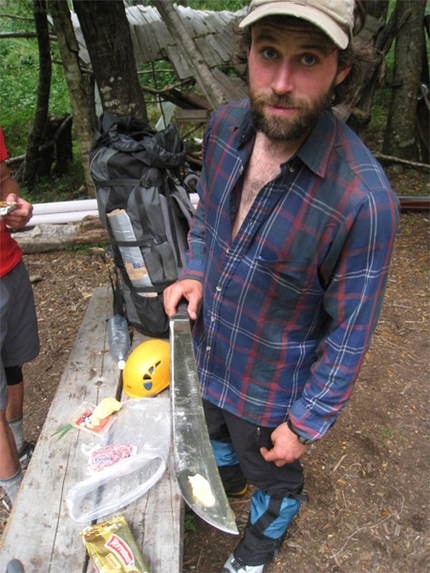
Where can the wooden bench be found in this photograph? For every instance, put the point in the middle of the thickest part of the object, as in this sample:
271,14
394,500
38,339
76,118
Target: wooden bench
40,532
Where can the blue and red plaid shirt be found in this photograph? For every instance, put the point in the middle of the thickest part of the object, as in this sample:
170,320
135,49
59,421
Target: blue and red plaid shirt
289,305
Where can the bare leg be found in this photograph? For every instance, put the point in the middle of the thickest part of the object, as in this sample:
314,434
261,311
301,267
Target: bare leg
14,411
10,468
16,401
8,453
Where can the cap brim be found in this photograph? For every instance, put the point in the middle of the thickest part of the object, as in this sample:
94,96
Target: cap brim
312,15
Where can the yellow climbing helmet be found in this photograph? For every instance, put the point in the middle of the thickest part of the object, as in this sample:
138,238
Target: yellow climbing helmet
147,371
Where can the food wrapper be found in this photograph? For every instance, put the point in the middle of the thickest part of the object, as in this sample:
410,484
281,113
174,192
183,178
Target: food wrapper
7,207
95,419
112,548
103,457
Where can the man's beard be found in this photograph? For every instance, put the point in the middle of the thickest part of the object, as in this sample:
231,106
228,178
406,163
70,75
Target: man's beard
280,128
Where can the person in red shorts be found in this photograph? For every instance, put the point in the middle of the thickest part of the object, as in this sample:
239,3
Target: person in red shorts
19,338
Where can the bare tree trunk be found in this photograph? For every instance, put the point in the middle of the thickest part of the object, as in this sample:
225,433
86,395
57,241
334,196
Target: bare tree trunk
401,137
83,114
35,137
106,31
361,103
191,53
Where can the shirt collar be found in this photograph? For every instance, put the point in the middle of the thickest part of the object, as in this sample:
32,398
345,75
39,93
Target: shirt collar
316,149
246,129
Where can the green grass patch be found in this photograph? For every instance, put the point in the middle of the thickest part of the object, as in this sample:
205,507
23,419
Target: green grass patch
51,188
86,249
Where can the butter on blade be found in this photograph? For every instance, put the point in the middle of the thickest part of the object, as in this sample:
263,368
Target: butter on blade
202,490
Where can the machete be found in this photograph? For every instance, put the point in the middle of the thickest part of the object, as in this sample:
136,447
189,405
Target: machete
196,470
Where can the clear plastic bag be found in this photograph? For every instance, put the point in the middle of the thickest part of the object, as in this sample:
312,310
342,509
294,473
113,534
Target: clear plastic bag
144,423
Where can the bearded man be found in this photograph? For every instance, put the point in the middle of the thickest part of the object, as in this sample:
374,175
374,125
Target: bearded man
289,257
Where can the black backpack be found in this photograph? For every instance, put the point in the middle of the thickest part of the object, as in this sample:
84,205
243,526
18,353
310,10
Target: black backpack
139,177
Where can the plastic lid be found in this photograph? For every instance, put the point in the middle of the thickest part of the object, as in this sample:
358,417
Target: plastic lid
121,364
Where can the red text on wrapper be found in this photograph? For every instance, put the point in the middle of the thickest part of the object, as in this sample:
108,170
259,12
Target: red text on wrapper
120,548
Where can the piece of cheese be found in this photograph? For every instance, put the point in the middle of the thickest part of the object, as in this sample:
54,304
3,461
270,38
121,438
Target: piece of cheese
202,490
106,407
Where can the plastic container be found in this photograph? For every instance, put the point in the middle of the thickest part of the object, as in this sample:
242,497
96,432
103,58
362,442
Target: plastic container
119,339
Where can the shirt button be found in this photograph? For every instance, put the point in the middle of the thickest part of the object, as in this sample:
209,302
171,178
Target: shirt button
292,168
208,348
213,318
218,288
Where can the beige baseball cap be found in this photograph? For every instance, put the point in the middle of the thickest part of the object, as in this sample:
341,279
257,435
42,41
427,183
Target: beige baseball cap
334,17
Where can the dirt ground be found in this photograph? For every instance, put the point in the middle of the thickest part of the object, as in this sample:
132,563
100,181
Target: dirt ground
367,480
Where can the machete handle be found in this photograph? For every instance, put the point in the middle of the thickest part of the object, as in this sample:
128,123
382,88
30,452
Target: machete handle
182,309
182,312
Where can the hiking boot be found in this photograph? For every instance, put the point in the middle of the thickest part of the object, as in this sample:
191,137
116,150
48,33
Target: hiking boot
233,566
234,482
237,493
26,453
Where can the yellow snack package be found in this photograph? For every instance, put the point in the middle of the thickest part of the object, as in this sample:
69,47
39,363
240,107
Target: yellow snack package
111,547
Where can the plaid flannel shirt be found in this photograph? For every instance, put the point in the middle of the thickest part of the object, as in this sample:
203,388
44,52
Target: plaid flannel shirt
289,305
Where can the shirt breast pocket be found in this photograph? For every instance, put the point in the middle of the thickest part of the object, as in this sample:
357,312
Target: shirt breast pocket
289,279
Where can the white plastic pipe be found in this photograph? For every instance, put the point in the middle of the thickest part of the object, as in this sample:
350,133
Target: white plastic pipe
61,212
60,218
194,199
65,206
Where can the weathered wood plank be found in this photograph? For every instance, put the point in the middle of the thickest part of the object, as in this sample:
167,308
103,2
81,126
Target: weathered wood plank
234,88
178,62
158,516
148,46
40,531
213,21
217,48
226,40
153,34
197,22
158,27
194,24
192,115
207,51
158,521
150,35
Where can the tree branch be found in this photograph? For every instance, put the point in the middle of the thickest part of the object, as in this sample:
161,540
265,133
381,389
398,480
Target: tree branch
11,35
392,159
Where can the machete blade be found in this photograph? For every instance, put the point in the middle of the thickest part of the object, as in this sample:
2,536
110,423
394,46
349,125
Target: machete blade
192,448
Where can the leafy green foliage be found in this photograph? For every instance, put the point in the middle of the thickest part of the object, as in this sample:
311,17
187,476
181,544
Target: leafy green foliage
19,77
19,84
189,522
231,5
19,60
